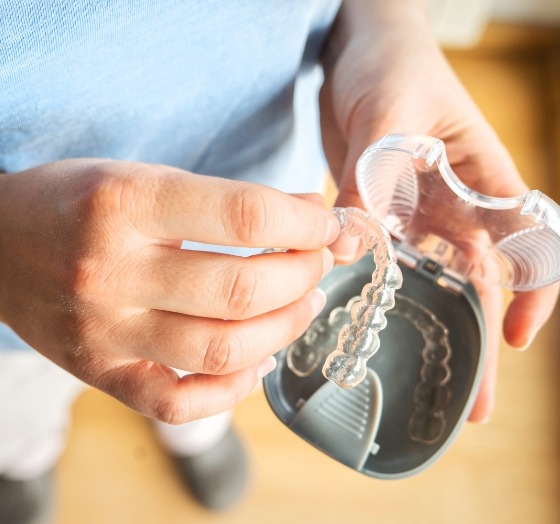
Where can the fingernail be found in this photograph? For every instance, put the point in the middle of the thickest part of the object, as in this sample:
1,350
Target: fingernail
333,230
266,366
528,344
328,261
317,299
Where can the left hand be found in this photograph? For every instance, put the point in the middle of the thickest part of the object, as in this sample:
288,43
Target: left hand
394,78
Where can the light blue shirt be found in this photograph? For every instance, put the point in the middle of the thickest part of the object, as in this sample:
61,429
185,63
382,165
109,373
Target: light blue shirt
214,87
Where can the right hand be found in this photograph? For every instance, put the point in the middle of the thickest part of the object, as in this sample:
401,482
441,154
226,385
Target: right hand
385,73
93,277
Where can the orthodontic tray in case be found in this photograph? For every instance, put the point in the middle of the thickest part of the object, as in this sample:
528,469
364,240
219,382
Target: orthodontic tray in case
420,386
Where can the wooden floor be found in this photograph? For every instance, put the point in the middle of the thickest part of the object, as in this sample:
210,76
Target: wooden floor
507,471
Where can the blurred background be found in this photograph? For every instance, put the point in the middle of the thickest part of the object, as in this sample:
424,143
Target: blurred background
507,53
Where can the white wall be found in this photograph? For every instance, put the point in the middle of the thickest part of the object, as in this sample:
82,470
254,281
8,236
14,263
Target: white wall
460,23
532,11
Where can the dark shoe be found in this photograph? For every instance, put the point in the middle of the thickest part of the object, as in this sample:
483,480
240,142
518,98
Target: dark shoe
26,501
218,477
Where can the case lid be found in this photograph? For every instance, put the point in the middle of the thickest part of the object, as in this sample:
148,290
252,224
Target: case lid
406,182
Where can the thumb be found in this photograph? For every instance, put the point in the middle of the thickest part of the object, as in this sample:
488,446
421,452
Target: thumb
346,248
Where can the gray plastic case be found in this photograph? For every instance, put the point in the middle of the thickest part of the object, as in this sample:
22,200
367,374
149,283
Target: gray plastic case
413,402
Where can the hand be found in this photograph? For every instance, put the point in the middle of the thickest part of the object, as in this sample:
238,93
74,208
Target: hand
385,73
93,277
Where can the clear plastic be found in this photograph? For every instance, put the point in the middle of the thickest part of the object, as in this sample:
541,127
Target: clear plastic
359,340
406,182
432,394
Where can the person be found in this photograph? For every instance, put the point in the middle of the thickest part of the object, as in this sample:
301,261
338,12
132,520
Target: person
136,137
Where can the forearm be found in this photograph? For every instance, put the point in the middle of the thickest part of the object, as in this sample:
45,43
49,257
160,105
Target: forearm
378,50
360,20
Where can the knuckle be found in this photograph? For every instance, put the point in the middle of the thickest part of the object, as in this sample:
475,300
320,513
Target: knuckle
169,411
106,196
81,276
249,215
222,351
91,278
239,292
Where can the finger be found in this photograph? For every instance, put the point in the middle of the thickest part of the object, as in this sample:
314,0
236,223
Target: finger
526,315
485,400
225,286
157,391
213,346
347,248
316,198
213,210
485,165
491,298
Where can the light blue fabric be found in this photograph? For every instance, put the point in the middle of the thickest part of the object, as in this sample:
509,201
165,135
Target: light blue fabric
207,86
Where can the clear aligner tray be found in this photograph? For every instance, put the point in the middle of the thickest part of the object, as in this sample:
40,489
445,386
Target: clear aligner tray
401,339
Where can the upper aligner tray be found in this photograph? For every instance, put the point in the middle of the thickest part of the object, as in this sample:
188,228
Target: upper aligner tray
359,340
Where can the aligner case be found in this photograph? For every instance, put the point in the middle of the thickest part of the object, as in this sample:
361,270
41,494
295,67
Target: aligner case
422,382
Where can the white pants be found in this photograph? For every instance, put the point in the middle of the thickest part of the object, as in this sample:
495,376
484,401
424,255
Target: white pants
35,401
36,397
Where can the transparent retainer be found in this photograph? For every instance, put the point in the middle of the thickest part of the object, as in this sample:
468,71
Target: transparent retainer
357,325
406,182
359,340
431,394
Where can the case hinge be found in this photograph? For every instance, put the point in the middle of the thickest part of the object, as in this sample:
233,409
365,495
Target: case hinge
431,270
